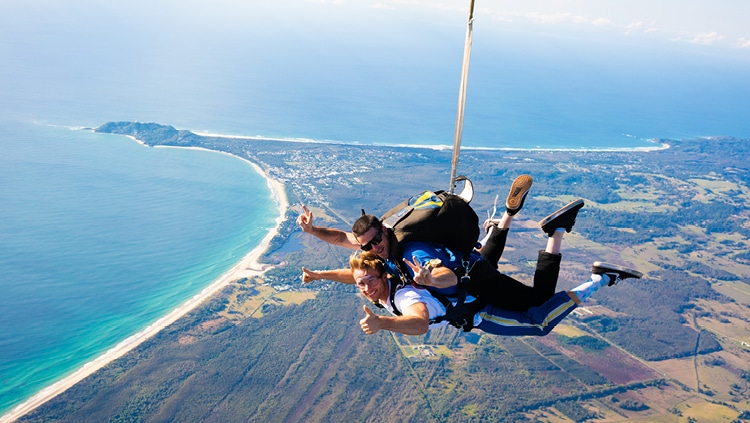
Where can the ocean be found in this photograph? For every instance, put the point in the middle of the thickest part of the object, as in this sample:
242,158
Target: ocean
100,236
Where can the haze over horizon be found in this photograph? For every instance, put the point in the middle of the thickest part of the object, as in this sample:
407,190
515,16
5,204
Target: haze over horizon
301,68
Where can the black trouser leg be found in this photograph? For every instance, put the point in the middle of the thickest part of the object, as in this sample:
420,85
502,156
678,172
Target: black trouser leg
493,249
546,275
500,290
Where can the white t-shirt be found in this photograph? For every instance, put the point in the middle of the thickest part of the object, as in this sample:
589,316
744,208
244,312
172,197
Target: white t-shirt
410,295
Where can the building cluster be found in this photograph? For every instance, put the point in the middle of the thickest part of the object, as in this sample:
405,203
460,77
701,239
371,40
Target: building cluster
308,172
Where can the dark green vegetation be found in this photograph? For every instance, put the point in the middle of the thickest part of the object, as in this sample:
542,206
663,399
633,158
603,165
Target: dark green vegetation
680,215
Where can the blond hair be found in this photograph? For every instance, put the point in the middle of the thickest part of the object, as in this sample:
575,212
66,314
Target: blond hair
366,260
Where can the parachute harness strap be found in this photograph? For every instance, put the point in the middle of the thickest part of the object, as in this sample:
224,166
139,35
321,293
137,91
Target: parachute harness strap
468,266
464,281
466,262
462,96
460,315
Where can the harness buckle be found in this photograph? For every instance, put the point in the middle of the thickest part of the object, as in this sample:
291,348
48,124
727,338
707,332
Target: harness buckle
467,265
464,324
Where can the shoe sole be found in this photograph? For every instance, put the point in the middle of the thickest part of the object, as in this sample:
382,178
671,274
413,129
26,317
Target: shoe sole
560,212
600,267
518,191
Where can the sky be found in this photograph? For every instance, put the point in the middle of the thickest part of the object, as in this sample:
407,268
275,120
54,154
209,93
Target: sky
720,24
410,50
717,24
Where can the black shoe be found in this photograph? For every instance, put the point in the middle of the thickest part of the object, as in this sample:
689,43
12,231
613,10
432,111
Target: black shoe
614,272
517,195
563,218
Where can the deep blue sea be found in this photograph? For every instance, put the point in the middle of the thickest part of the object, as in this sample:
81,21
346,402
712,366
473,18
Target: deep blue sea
100,236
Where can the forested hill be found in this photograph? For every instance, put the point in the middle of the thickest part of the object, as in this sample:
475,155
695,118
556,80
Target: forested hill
672,344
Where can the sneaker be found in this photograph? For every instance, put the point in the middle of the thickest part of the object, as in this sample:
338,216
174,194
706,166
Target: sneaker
614,272
517,195
563,218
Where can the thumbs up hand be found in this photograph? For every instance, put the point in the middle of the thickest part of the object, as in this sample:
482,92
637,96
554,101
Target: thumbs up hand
309,275
371,322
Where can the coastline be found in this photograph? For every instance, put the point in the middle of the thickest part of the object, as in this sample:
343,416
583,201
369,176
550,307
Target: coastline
658,145
249,266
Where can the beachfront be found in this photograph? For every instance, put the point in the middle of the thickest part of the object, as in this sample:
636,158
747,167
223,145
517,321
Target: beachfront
248,267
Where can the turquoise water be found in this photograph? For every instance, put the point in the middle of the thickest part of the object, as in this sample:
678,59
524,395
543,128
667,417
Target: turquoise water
100,236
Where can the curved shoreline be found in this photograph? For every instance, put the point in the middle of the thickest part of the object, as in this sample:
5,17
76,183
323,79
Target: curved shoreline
249,266
658,145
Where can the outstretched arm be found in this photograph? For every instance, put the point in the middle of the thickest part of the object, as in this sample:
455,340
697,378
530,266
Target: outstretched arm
415,320
336,275
329,235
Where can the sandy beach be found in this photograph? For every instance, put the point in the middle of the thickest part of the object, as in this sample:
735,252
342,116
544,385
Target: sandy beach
249,266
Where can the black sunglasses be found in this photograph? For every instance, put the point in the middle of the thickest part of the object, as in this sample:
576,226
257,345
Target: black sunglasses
377,239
